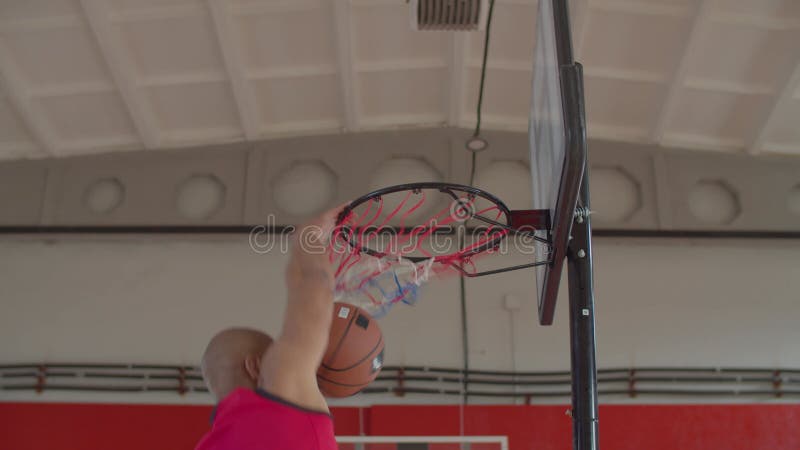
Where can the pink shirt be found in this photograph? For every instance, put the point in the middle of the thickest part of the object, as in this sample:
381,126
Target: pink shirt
258,420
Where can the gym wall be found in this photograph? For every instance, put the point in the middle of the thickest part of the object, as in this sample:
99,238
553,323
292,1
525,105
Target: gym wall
669,302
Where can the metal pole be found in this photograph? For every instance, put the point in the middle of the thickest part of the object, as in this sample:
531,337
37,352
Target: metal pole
581,326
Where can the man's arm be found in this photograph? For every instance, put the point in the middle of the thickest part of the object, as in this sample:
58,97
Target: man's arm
289,367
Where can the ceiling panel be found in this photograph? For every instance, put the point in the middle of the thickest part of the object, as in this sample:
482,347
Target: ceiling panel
382,32
149,5
37,9
87,116
195,107
507,92
513,35
297,37
726,118
173,45
63,54
634,41
301,99
780,9
398,93
785,130
745,54
12,129
622,104
666,2
712,74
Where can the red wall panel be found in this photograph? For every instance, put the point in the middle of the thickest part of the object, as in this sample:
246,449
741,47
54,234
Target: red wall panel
700,427
69,426
62,426
440,420
527,427
346,421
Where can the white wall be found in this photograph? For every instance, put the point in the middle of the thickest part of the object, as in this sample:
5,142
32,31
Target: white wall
158,300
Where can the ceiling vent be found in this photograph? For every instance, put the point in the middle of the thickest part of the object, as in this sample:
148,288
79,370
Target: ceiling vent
449,15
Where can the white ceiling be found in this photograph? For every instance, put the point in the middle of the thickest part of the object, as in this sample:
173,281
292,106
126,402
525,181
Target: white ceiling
108,75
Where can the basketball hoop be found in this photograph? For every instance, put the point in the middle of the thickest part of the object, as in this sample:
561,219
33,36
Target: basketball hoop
389,242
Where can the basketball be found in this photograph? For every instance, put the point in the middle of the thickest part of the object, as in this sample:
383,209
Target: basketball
355,352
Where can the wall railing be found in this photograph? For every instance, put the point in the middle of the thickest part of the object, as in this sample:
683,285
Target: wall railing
700,382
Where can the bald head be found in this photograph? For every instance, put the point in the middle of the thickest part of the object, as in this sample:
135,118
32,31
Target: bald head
232,360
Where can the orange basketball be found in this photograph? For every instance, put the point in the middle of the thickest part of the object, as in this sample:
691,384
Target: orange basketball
355,352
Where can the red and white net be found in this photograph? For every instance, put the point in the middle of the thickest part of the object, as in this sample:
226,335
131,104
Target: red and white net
386,247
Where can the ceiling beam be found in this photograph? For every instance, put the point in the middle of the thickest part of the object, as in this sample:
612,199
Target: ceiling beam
400,65
731,87
75,88
699,15
256,7
18,24
614,73
243,91
779,101
29,111
345,59
765,22
158,12
458,50
291,72
196,77
123,72
639,7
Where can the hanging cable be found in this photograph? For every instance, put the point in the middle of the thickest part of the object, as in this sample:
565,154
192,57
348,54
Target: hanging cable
472,171
479,109
475,135
483,69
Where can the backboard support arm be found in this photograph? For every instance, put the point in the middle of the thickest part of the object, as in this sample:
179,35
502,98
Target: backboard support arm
581,300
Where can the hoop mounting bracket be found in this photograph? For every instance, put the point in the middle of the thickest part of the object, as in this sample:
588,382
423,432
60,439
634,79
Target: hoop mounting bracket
538,219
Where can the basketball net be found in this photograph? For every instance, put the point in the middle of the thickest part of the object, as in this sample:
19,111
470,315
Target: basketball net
379,262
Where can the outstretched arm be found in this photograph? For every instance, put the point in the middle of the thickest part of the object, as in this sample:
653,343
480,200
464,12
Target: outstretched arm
289,367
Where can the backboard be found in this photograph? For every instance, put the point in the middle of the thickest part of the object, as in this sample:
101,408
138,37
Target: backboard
557,155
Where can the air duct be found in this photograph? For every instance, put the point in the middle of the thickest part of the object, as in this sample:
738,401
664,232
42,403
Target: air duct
449,15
